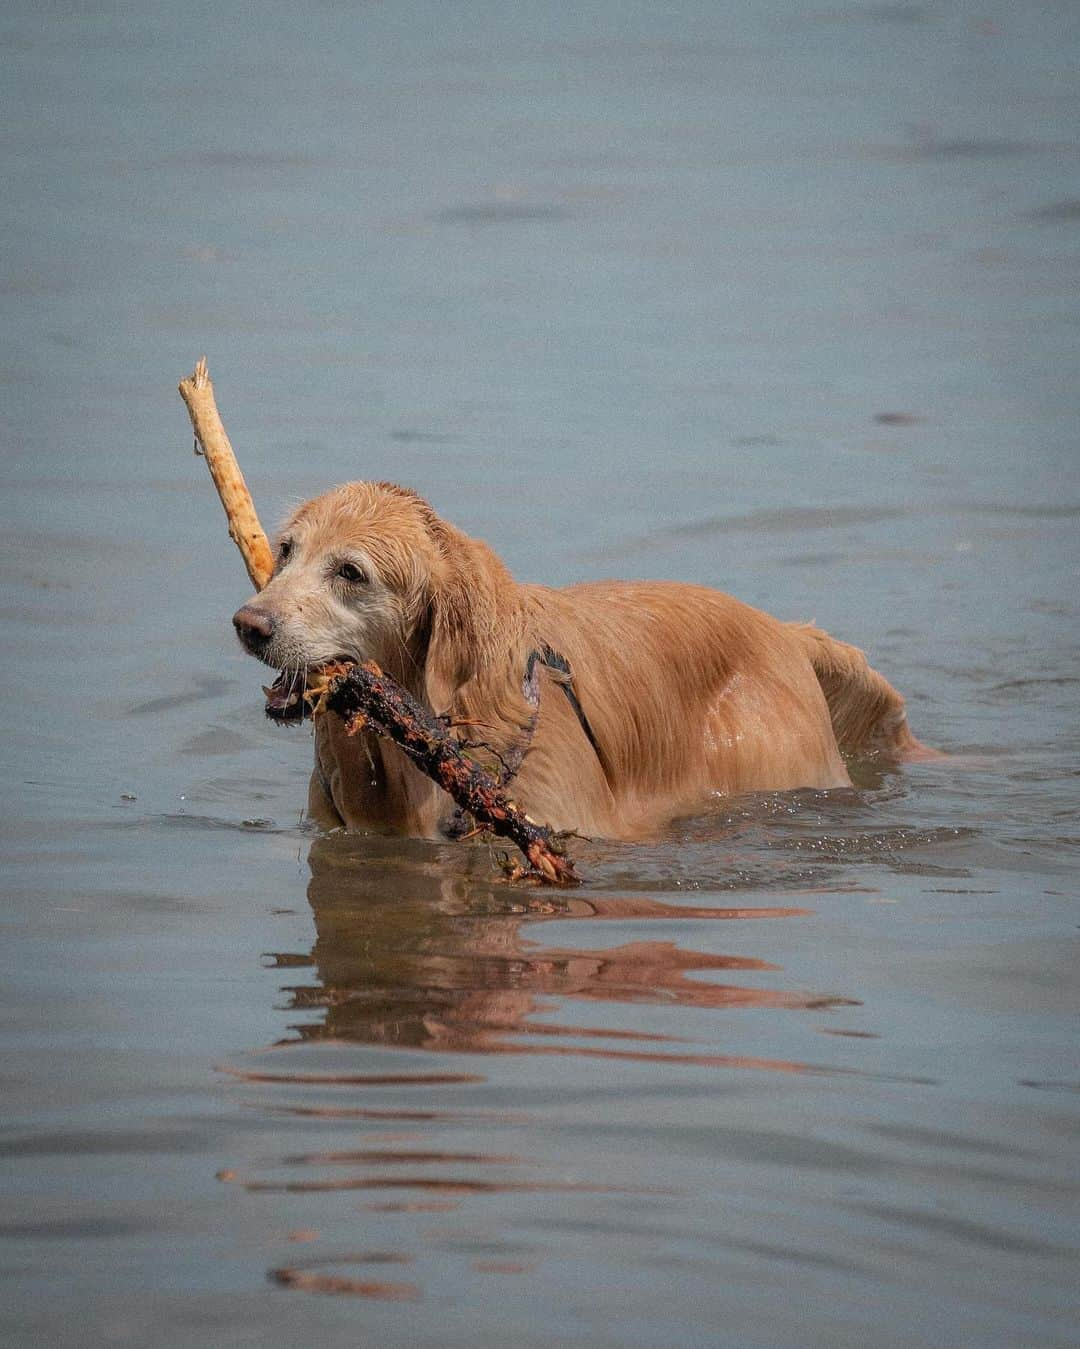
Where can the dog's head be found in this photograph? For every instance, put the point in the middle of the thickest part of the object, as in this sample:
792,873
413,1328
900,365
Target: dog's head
370,572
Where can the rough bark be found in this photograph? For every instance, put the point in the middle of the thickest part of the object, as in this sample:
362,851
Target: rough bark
365,697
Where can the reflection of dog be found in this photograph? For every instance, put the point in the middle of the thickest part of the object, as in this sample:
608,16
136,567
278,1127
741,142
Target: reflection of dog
442,958
614,705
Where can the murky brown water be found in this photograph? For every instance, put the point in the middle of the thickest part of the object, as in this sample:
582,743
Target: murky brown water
783,301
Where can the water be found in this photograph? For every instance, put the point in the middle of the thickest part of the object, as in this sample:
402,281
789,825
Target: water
782,299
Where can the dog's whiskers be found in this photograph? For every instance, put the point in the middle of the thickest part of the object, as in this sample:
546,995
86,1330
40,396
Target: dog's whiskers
409,657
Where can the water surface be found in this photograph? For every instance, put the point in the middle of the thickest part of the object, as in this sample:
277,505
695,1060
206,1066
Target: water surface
780,299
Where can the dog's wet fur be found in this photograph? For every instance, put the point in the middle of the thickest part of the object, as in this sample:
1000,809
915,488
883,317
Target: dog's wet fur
687,692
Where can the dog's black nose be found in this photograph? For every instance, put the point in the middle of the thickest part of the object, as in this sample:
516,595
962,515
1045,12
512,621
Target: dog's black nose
253,626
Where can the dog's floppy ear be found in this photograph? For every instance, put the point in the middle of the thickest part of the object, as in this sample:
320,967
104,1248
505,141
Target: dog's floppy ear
469,603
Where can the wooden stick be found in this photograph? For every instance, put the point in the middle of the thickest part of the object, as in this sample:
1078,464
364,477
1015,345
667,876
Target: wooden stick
363,696
244,529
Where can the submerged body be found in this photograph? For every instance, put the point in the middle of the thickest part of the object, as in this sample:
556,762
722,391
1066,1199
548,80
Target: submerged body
674,692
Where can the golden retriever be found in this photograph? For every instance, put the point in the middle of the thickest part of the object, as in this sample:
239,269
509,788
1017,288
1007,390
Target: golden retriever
612,706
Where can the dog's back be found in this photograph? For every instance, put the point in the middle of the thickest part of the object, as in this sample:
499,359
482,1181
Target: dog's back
687,692
650,695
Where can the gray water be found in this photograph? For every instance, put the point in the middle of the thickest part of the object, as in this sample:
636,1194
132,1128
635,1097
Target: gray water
779,298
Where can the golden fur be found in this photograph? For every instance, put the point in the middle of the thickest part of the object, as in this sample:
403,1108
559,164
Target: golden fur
687,691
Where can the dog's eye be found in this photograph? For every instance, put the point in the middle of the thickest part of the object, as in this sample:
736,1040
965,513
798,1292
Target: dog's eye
348,572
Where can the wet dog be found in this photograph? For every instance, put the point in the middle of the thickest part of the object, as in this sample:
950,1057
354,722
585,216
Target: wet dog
611,706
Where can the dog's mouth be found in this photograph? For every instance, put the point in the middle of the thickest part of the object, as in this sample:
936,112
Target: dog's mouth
296,694
285,699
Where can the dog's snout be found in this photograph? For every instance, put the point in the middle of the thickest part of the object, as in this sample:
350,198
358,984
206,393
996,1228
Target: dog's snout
253,626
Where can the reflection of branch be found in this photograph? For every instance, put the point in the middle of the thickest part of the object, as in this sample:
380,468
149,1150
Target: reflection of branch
364,696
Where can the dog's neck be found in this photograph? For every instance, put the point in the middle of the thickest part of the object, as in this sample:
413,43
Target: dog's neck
368,781
371,784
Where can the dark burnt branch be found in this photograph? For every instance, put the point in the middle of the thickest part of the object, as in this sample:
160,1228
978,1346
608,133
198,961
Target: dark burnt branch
365,697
